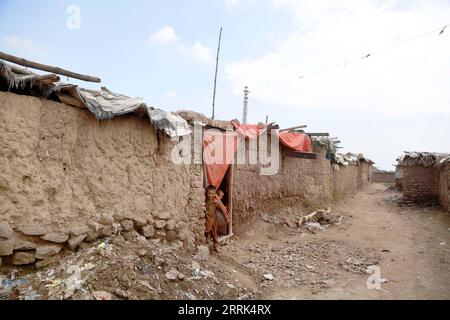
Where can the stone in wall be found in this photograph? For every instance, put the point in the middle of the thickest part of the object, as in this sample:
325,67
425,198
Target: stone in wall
6,247
47,250
34,230
56,237
22,258
6,231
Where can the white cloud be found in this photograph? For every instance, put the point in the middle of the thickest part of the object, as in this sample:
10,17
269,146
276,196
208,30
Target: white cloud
199,52
408,78
164,35
17,43
231,3
202,53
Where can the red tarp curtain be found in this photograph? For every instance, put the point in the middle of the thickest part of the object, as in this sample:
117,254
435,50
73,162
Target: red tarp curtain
218,153
219,148
296,141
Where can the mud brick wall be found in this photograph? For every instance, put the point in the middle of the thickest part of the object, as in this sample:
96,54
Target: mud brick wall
444,186
344,181
420,185
307,183
383,177
366,177
61,169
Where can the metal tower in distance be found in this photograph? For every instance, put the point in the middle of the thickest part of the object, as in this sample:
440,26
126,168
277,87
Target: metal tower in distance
244,115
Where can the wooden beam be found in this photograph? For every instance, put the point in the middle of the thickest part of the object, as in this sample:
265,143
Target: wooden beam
39,66
293,128
303,155
46,78
230,199
318,134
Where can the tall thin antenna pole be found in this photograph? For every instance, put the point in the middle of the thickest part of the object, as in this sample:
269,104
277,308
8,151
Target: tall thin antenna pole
244,114
215,76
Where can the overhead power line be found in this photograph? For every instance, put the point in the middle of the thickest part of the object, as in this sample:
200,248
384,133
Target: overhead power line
362,57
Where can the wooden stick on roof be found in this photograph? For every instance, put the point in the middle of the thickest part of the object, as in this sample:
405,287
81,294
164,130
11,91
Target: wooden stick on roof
293,128
39,66
318,134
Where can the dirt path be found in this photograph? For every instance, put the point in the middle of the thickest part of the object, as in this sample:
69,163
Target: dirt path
274,259
410,245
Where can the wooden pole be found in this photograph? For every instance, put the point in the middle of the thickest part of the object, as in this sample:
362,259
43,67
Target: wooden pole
39,66
215,75
296,127
318,134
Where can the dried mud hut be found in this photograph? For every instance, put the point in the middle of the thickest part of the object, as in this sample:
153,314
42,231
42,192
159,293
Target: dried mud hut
425,178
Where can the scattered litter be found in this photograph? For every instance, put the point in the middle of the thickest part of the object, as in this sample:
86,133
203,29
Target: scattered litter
314,227
174,275
268,276
202,253
55,283
309,267
244,297
74,282
321,217
207,273
89,266
101,247
443,243
195,266
102,295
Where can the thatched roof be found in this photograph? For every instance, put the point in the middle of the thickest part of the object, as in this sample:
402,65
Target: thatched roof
351,159
103,103
423,159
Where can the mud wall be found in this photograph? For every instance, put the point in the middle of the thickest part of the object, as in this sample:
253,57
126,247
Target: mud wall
383,177
420,185
444,186
61,169
306,183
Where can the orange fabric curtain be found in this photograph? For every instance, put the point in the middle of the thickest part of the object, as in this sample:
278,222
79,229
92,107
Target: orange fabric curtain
296,141
218,154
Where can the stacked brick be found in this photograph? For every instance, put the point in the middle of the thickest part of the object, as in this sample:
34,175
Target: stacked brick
420,185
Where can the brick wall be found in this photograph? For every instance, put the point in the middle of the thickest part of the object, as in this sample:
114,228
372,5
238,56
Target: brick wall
384,177
444,186
420,185
306,183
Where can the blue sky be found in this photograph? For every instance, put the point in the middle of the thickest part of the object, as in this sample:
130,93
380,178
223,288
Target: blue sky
164,51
